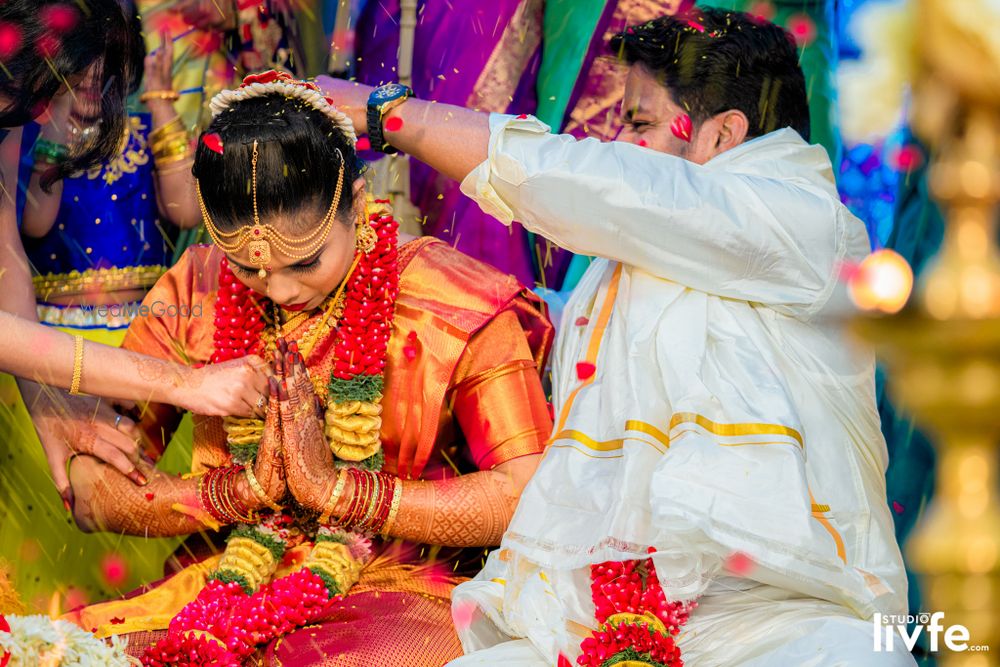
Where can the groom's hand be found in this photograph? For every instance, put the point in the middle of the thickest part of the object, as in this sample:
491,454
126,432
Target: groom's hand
350,97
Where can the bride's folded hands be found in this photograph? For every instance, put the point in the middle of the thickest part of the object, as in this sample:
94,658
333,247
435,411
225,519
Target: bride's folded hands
309,466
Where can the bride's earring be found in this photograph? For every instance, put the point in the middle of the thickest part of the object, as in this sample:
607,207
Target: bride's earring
366,236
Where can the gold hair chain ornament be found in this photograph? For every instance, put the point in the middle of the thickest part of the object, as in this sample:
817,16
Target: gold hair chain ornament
259,238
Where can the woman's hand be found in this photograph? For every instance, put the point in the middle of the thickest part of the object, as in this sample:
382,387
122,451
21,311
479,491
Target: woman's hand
158,73
235,388
71,425
309,467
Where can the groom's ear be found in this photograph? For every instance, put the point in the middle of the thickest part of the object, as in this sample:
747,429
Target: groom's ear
732,128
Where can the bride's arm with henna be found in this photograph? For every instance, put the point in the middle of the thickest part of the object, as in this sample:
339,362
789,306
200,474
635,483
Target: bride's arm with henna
467,511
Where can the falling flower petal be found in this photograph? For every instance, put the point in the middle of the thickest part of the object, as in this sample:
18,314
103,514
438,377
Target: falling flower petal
364,144
394,124
582,321
564,661
117,620
642,142
150,496
462,613
48,45
213,142
60,18
522,116
761,10
908,158
114,569
739,563
585,370
803,29
897,507
10,40
409,352
681,127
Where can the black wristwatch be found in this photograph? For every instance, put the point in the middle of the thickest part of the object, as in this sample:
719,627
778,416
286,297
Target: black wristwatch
382,100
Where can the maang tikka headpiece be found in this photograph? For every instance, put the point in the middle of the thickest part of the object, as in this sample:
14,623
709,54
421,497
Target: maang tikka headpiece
259,238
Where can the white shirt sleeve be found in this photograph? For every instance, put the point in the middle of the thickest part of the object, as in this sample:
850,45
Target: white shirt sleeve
732,234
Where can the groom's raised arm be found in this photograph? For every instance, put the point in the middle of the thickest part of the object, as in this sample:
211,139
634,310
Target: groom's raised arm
721,232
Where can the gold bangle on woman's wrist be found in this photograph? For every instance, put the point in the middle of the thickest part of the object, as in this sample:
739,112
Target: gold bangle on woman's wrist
74,387
258,490
331,504
167,95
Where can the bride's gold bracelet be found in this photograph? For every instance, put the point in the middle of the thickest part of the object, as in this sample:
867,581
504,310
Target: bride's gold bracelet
258,490
331,505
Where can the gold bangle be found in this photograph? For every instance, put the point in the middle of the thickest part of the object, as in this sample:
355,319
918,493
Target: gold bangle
74,387
180,145
397,497
159,132
338,491
167,137
167,160
258,490
169,95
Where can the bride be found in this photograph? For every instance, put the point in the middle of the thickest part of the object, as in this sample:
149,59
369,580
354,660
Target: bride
405,409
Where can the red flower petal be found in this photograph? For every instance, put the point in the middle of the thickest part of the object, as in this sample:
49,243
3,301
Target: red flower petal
10,40
213,142
394,124
410,352
585,370
150,496
802,27
582,321
908,158
897,507
642,142
564,661
4,627
48,45
114,569
60,18
462,614
522,116
117,620
681,127
364,144
762,10
739,563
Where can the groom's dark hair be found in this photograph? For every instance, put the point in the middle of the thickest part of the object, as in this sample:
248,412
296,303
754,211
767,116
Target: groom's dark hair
713,60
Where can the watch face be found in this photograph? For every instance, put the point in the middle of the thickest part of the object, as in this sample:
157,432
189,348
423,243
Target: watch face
389,92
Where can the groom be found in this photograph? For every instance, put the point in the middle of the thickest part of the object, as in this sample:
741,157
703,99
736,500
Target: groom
707,413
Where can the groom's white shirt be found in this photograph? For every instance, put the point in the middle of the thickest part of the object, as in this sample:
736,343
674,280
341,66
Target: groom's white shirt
726,414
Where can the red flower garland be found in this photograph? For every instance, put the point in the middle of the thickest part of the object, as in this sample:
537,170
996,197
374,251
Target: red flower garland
240,622
223,624
637,622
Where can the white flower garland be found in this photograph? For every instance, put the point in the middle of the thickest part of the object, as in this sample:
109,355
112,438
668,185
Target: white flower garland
316,100
39,641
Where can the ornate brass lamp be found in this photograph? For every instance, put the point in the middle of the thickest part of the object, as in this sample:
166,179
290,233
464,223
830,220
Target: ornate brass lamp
943,350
